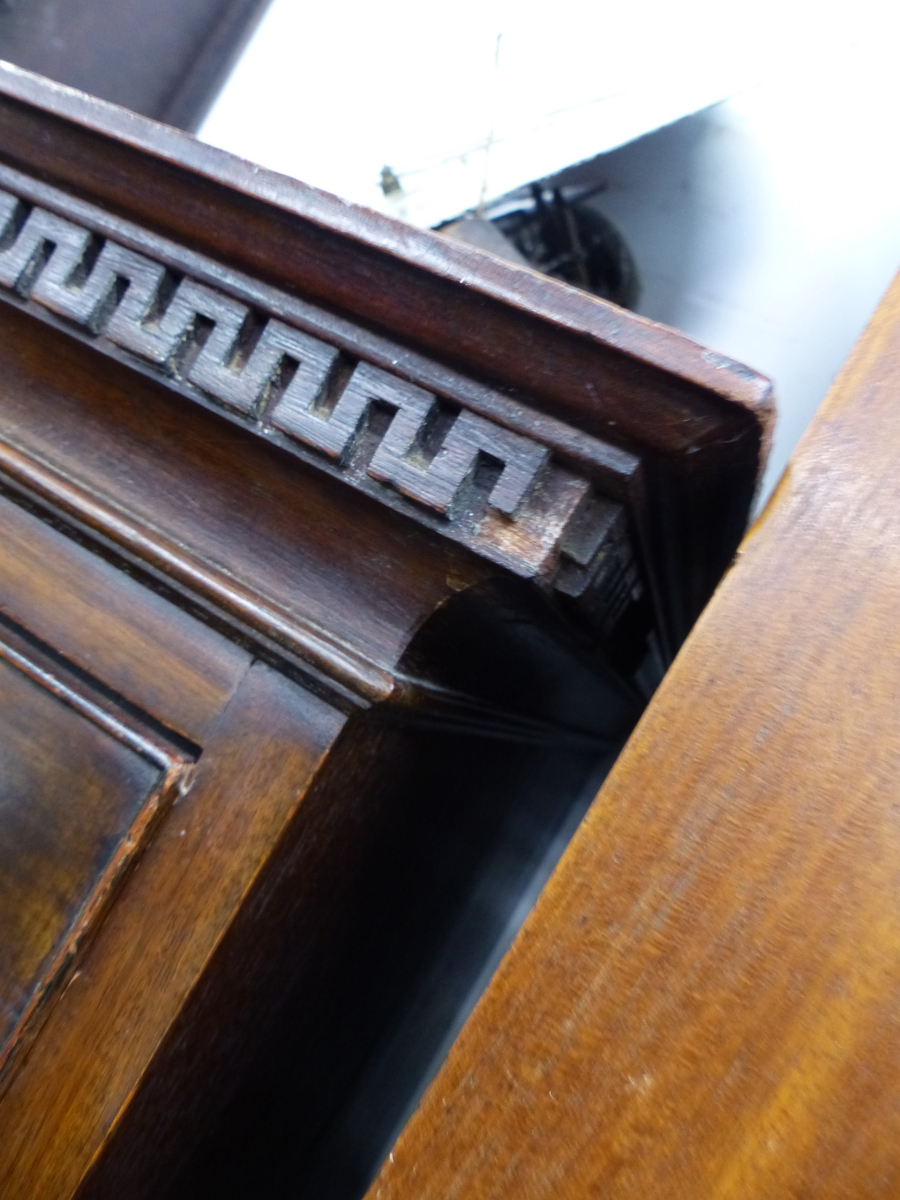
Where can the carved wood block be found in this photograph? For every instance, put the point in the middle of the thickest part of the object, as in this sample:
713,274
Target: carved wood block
129,300
329,551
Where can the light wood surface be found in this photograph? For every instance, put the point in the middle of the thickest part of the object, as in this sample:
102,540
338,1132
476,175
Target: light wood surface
706,1001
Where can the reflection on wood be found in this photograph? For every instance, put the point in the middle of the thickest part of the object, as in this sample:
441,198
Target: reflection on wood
80,788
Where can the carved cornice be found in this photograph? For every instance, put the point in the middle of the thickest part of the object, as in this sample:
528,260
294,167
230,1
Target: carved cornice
521,489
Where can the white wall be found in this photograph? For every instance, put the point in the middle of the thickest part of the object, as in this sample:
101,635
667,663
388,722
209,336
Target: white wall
468,100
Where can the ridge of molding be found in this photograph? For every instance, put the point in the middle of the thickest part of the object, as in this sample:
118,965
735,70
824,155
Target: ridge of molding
526,491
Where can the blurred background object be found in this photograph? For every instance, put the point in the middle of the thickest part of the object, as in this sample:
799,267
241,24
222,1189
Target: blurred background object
426,111
559,233
166,59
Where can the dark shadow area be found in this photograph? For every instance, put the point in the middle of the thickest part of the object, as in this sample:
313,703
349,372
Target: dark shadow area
421,850
451,846
651,191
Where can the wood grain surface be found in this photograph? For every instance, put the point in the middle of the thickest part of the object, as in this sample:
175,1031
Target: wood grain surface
393,541
149,651
171,917
706,1001
700,420
68,794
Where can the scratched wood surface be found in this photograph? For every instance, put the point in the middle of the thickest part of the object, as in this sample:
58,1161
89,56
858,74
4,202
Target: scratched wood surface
705,1001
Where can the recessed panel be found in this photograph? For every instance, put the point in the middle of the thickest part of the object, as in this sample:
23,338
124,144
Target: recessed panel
69,792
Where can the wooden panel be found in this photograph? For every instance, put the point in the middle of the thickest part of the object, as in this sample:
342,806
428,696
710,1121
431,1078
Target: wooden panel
170,916
68,794
704,1002
83,783
139,644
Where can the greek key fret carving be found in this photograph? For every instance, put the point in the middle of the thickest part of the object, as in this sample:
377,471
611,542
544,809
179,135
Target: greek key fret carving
243,387
495,490
45,244
90,302
332,432
442,483
212,367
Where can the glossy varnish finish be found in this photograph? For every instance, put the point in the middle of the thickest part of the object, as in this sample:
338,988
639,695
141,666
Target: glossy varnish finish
705,1001
70,793
333,559
61,1107
147,650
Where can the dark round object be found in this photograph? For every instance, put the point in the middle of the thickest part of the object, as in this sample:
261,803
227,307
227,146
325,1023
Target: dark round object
569,239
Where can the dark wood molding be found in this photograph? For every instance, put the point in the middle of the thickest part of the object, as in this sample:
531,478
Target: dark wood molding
697,422
224,340
390,539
